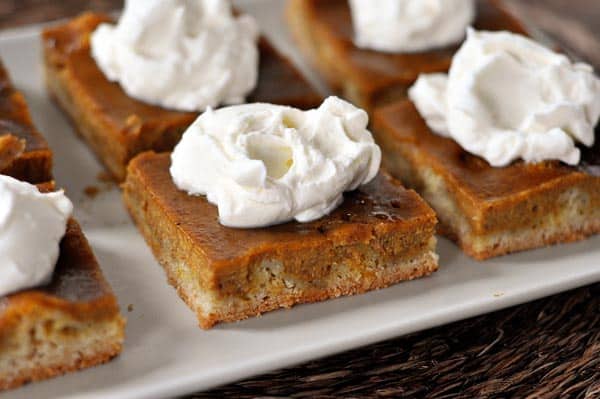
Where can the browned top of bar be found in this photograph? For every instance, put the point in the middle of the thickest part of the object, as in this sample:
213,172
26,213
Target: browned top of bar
78,287
467,172
380,207
375,70
14,115
69,46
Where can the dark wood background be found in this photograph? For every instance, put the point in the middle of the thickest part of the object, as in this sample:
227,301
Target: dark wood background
546,349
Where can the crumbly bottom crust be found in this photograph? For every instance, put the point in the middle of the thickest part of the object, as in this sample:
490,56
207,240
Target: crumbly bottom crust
282,291
44,346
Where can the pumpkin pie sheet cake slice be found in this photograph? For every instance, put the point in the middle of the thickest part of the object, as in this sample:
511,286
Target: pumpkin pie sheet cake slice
73,321
489,211
380,235
294,210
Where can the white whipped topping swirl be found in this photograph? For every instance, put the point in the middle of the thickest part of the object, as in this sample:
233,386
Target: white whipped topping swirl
405,26
507,98
31,227
265,164
181,54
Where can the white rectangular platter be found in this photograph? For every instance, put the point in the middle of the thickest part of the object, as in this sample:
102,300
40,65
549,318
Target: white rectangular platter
166,354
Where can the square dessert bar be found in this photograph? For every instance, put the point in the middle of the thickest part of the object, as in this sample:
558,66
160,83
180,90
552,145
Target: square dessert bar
118,127
323,29
380,235
24,153
70,324
74,322
489,211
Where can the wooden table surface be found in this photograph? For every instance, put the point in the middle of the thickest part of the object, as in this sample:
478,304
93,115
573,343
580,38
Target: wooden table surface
546,349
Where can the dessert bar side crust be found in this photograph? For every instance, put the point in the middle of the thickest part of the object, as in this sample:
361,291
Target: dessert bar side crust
272,288
307,263
324,30
107,143
119,127
50,344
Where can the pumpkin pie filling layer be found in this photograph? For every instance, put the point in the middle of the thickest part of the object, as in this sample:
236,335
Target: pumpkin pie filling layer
24,153
118,127
489,211
380,235
323,28
72,323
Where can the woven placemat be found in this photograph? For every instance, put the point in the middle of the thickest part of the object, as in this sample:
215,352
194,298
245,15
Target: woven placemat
546,349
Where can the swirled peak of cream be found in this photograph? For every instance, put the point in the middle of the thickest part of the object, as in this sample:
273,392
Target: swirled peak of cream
265,164
406,26
180,54
508,98
32,225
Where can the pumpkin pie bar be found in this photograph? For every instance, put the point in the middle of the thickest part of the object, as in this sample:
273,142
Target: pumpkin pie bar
74,322
324,31
70,324
380,235
24,153
490,211
118,127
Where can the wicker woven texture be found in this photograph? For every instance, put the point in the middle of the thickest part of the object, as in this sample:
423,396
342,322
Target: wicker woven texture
546,349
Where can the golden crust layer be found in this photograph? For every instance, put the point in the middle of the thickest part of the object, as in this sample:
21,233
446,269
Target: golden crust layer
381,235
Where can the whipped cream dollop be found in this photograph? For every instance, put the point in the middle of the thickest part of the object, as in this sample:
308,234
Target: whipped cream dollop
32,225
404,26
180,54
265,164
507,98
